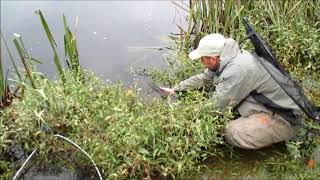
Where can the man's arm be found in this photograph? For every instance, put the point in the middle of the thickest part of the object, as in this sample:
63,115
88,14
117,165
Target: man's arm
201,80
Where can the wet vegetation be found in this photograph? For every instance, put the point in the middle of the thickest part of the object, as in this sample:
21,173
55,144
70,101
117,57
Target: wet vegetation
128,137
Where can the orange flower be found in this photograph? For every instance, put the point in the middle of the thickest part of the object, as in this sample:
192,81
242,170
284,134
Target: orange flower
311,163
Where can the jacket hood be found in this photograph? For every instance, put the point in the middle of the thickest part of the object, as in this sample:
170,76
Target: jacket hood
230,50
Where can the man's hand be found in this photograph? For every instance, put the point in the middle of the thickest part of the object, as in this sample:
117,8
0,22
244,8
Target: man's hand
169,91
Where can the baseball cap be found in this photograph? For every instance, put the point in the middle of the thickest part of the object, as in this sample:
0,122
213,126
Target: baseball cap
209,45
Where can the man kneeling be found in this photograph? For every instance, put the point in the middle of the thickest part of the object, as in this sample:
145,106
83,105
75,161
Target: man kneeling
268,114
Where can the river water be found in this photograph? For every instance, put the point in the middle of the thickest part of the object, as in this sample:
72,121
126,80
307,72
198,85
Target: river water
113,36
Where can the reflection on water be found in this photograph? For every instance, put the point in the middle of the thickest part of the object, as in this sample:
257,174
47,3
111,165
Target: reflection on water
112,35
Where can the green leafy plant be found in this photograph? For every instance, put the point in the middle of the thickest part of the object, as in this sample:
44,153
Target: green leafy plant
71,51
125,136
53,45
5,93
24,57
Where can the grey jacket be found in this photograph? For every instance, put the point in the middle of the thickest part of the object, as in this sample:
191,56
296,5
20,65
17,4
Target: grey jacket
241,82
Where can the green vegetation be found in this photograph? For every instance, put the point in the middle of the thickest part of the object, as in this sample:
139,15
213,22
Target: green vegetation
53,45
130,138
291,28
125,136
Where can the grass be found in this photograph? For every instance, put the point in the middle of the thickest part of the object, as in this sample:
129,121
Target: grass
129,138
269,163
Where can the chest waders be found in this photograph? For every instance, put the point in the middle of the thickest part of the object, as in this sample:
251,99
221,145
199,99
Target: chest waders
269,61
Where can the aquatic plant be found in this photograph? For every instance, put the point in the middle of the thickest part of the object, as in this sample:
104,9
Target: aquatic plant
294,40
125,136
70,47
5,93
11,58
53,45
24,57
71,51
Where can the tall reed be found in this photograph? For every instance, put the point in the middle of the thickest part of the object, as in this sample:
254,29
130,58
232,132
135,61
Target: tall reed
53,45
71,51
11,58
2,78
24,57
5,93
70,48
291,28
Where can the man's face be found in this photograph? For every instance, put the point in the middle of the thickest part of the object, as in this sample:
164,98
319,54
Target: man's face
211,62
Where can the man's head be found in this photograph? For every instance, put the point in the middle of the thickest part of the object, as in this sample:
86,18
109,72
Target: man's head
208,50
211,62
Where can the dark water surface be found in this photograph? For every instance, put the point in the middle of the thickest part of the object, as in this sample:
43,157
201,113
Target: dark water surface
112,35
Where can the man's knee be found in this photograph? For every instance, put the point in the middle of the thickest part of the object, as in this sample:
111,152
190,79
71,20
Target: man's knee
236,136
257,131
246,133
